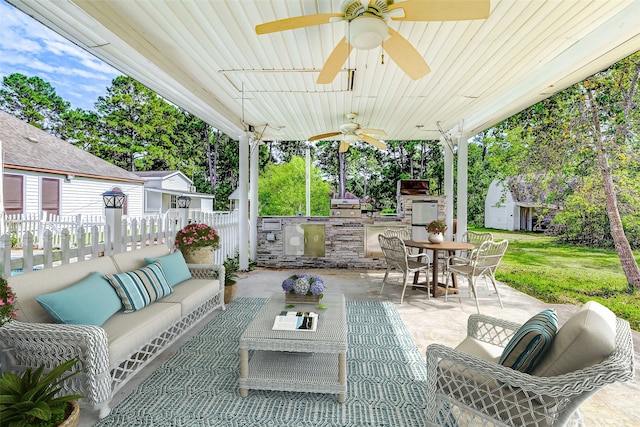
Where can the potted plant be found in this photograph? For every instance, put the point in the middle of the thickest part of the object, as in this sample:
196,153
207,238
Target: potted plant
303,288
32,399
436,229
7,301
231,267
197,242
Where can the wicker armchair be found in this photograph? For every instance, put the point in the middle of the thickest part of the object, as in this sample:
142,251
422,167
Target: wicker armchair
464,389
397,258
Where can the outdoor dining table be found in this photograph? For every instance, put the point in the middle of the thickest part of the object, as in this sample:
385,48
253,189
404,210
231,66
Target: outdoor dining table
450,247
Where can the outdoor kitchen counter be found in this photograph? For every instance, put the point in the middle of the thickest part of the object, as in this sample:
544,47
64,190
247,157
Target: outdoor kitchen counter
322,242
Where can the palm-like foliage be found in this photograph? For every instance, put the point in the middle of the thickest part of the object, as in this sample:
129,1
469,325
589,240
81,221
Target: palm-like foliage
32,398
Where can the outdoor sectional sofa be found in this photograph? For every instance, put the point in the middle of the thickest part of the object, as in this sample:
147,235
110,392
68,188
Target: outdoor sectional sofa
111,352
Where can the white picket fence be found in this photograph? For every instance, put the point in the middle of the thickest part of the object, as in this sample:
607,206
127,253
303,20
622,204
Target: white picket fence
58,246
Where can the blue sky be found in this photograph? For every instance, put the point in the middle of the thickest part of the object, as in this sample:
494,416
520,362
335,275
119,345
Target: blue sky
29,48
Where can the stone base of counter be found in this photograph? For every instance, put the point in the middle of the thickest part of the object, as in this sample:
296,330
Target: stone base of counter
281,240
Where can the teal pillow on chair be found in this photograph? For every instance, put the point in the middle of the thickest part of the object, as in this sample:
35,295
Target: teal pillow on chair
531,342
174,266
139,288
91,301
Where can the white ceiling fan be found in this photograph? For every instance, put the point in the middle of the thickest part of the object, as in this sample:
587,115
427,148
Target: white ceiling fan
352,132
368,28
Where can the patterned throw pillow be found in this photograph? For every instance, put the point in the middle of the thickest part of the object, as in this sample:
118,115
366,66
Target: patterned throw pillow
531,342
139,288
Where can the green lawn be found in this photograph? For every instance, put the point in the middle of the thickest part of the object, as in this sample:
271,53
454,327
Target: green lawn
567,274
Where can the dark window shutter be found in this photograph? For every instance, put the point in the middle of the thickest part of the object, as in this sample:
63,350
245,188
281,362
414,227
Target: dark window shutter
13,194
50,195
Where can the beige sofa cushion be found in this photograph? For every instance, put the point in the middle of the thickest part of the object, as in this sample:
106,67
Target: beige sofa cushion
28,286
481,349
586,339
133,260
129,331
192,293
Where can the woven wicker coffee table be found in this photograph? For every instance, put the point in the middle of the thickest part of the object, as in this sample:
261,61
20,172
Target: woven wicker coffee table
302,361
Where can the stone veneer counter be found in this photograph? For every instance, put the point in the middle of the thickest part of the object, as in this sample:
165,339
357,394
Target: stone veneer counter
296,242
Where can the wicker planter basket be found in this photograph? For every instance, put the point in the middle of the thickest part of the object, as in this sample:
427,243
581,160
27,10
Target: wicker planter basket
230,292
301,299
74,418
199,255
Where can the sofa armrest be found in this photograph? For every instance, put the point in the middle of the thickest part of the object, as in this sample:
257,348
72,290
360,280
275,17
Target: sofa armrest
207,271
491,329
34,344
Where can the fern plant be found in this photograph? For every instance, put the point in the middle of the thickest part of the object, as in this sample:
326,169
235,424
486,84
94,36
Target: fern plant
31,399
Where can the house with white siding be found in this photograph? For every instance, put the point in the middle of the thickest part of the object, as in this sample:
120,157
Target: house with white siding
163,188
43,173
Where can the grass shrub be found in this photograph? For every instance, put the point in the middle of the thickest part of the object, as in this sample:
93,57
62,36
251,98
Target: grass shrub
564,274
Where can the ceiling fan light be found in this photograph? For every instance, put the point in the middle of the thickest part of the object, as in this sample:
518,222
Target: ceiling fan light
367,32
351,138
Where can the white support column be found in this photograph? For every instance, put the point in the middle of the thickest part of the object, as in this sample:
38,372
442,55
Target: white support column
463,187
253,200
448,187
308,183
243,213
113,218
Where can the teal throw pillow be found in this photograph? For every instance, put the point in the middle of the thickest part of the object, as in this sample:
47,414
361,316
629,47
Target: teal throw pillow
139,288
531,342
174,266
91,301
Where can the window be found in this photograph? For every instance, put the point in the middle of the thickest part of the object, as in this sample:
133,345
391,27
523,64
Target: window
13,194
50,195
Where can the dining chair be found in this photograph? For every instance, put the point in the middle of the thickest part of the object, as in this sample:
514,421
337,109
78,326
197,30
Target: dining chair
397,258
402,233
476,238
483,263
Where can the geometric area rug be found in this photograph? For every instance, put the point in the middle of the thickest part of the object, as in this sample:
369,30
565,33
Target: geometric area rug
198,386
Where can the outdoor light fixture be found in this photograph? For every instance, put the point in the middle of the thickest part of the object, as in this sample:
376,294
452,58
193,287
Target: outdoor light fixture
113,199
184,201
351,138
366,32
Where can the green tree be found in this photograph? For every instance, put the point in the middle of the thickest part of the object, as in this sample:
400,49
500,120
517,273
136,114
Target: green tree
282,189
586,132
137,126
34,101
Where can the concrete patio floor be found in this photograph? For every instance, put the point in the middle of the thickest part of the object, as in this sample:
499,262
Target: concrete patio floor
428,321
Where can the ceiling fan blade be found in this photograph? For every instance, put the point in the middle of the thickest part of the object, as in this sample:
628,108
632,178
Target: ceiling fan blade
296,22
344,146
373,132
376,143
334,62
405,55
442,10
324,136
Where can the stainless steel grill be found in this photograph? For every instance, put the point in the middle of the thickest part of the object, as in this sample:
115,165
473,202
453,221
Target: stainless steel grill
346,208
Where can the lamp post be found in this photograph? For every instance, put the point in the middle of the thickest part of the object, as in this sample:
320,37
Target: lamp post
113,203
183,209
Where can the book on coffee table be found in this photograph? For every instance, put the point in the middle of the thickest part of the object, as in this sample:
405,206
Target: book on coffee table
296,321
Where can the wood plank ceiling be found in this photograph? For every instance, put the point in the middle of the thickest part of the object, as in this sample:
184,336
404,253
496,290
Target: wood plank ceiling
206,57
